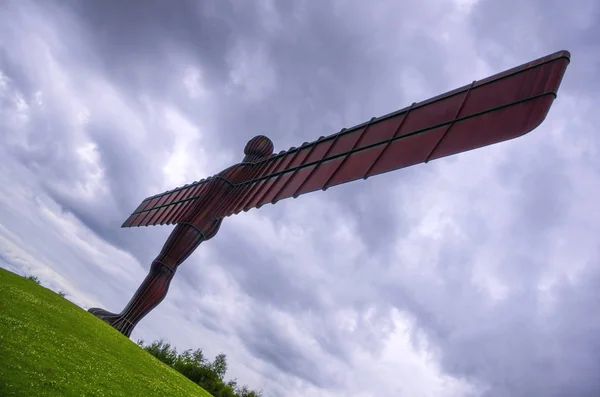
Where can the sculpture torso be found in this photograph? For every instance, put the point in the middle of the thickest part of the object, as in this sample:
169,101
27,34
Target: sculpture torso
218,189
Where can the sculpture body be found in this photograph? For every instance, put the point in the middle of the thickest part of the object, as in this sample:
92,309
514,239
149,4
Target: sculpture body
498,108
198,226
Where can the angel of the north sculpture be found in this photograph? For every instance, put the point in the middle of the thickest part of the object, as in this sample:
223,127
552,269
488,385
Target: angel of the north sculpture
495,109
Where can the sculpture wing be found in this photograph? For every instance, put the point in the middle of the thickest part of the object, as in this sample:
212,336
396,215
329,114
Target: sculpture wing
498,108
167,207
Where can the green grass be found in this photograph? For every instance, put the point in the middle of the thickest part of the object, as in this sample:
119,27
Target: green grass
51,347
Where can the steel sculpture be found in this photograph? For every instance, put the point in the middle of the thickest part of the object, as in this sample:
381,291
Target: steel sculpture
498,108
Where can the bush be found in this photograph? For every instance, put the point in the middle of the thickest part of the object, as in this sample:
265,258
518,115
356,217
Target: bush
34,279
161,350
194,366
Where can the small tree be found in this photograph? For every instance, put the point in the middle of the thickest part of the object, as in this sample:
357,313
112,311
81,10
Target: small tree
194,366
161,350
34,279
244,391
220,365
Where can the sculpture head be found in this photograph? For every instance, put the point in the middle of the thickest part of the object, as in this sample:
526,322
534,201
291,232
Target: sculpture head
258,148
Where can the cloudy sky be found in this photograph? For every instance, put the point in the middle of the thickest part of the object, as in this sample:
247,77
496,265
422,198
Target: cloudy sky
475,275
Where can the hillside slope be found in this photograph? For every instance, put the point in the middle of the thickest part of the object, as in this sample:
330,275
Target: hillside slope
51,347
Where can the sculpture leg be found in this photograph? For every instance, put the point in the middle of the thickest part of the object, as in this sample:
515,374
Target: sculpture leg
184,239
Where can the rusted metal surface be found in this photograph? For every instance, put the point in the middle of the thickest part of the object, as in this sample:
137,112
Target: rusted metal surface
501,107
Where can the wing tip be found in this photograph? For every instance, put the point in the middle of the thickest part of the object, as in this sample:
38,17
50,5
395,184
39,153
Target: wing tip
540,119
562,54
127,223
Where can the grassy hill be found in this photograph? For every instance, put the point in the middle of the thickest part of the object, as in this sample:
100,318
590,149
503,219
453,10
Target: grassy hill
51,347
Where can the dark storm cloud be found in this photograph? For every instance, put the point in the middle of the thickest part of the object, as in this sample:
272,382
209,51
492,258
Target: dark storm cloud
136,47
11,68
254,269
270,343
543,354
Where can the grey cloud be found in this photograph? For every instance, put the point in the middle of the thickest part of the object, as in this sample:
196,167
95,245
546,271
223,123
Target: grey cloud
510,345
269,341
546,26
261,274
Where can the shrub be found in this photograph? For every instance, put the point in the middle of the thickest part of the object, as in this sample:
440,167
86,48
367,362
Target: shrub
194,366
34,279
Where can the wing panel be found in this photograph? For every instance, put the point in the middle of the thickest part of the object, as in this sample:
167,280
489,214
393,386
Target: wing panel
176,209
154,214
319,151
142,215
381,130
191,199
320,175
283,162
301,157
541,79
264,188
257,188
492,95
276,188
433,114
169,210
129,220
407,151
158,207
248,189
148,214
171,199
493,127
295,182
180,201
356,165
137,218
242,197
345,142
143,205
177,204
160,214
